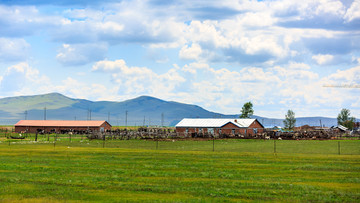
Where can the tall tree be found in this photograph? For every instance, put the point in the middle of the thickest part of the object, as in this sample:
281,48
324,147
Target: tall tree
247,110
290,120
345,119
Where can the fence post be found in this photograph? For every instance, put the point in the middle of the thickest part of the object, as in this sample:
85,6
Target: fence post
104,141
213,143
339,147
157,142
274,146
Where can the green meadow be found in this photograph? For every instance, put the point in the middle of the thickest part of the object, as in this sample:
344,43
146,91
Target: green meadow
178,170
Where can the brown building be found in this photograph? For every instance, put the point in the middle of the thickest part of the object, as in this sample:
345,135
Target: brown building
246,127
55,126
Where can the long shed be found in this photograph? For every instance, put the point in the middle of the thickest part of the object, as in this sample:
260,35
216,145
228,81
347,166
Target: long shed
219,126
61,126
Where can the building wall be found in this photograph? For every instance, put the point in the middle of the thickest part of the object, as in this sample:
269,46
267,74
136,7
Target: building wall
228,129
48,129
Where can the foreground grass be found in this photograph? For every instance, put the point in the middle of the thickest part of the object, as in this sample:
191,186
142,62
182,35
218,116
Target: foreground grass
42,172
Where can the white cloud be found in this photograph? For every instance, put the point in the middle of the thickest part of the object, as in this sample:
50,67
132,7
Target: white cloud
353,12
12,49
94,91
139,80
79,54
263,51
348,76
19,20
331,7
218,88
323,59
193,52
258,19
22,79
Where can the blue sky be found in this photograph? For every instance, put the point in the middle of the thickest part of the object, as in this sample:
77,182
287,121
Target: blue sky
216,54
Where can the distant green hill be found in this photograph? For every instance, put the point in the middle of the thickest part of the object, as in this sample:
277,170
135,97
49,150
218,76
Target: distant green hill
144,110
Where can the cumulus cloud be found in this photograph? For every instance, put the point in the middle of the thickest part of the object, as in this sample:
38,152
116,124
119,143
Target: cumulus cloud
79,54
323,59
193,52
353,12
93,91
21,77
349,76
291,85
263,51
139,80
12,49
250,34
23,21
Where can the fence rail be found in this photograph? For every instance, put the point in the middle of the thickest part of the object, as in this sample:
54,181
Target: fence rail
344,146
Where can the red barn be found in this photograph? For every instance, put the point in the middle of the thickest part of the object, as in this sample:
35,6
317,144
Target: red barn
56,126
217,126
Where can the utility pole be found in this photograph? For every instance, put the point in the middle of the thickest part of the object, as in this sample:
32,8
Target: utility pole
126,114
45,113
162,120
26,115
320,124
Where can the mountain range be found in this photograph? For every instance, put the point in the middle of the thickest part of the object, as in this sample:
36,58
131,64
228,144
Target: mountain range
143,110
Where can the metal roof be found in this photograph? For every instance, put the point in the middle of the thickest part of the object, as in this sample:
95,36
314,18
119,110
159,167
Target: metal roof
343,128
214,122
58,123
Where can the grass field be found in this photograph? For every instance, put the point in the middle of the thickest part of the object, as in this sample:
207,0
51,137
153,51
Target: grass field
179,171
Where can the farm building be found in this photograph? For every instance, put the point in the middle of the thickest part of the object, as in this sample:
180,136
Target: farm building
219,126
56,126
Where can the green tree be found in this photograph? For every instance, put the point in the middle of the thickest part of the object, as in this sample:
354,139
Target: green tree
345,119
290,120
247,110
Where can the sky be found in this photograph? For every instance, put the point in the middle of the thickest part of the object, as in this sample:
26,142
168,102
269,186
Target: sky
216,54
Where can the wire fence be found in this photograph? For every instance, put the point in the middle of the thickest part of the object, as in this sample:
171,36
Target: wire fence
345,146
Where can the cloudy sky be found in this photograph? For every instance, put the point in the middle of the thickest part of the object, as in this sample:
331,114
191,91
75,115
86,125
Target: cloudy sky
216,54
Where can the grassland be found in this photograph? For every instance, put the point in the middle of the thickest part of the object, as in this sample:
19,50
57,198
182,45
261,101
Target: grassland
179,171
